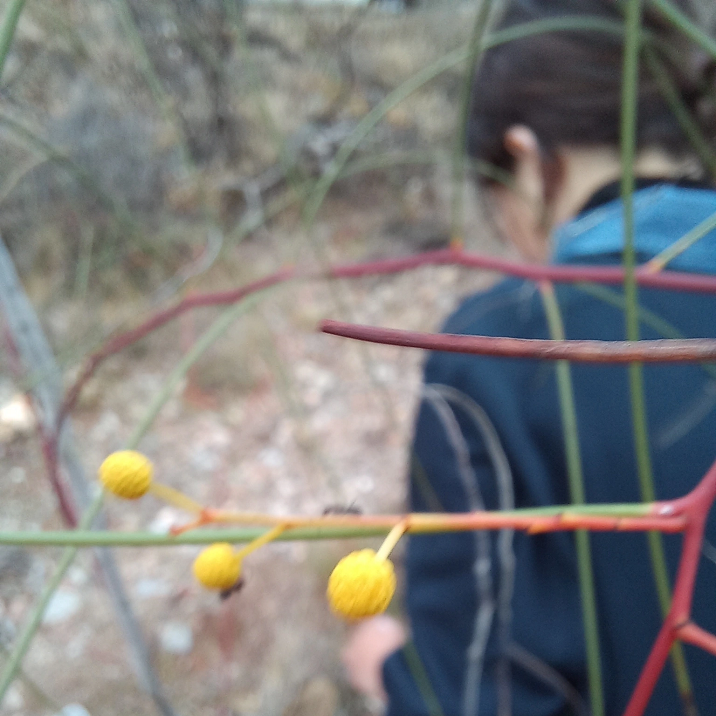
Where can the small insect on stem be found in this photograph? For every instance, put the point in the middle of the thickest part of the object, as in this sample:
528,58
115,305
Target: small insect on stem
336,509
224,594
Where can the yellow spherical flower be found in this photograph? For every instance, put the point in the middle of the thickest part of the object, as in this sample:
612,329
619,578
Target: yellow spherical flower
361,585
127,474
218,566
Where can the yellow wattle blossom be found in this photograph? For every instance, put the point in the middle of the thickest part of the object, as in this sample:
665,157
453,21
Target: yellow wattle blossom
218,566
127,474
361,585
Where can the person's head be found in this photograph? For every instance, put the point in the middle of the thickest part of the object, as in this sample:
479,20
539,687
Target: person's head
546,109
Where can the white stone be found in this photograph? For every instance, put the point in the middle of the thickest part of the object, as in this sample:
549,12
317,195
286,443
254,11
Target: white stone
16,417
78,576
176,638
13,698
147,587
107,426
164,520
73,710
63,606
271,457
17,475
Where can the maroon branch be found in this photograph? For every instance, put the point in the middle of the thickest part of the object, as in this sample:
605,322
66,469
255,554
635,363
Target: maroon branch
690,350
126,339
667,280
557,273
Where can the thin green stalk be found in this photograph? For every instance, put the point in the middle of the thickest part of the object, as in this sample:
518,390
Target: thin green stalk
162,99
207,339
475,51
106,538
17,174
322,186
429,73
84,261
84,178
684,23
628,134
577,494
629,103
686,121
291,170
33,687
678,247
7,30
35,619
422,679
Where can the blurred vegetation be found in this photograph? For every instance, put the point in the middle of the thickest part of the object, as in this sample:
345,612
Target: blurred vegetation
135,135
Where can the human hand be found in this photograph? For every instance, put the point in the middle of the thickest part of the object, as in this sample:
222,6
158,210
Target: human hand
369,645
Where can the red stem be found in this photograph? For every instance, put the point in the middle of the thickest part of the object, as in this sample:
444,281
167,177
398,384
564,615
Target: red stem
124,340
695,507
692,634
690,350
562,273
669,280
651,671
64,500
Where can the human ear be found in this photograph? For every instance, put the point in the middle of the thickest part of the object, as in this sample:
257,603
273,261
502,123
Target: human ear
522,144
525,207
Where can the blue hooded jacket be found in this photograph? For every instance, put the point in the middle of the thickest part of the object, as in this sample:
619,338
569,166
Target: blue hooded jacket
496,617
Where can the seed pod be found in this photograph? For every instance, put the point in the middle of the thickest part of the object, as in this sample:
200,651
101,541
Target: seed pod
361,585
218,567
126,473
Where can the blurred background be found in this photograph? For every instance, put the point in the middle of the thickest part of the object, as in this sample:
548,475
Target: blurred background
152,150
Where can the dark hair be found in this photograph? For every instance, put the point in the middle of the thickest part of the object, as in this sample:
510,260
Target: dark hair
566,86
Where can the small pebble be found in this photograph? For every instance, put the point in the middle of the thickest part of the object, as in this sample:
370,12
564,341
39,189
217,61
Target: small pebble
164,520
176,638
73,710
147,587
63,605
13,698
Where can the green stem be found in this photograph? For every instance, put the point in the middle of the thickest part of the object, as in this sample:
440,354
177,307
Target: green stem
684,23
33,687
429,73
162,99
33,623
628,132
688,125
630,99
475,51
646,316
678,247
422,679
91,538
577,494
207,339
7,31
291,170
83,178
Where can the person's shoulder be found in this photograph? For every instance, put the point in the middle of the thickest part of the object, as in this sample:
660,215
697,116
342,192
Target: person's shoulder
503,310
663,213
